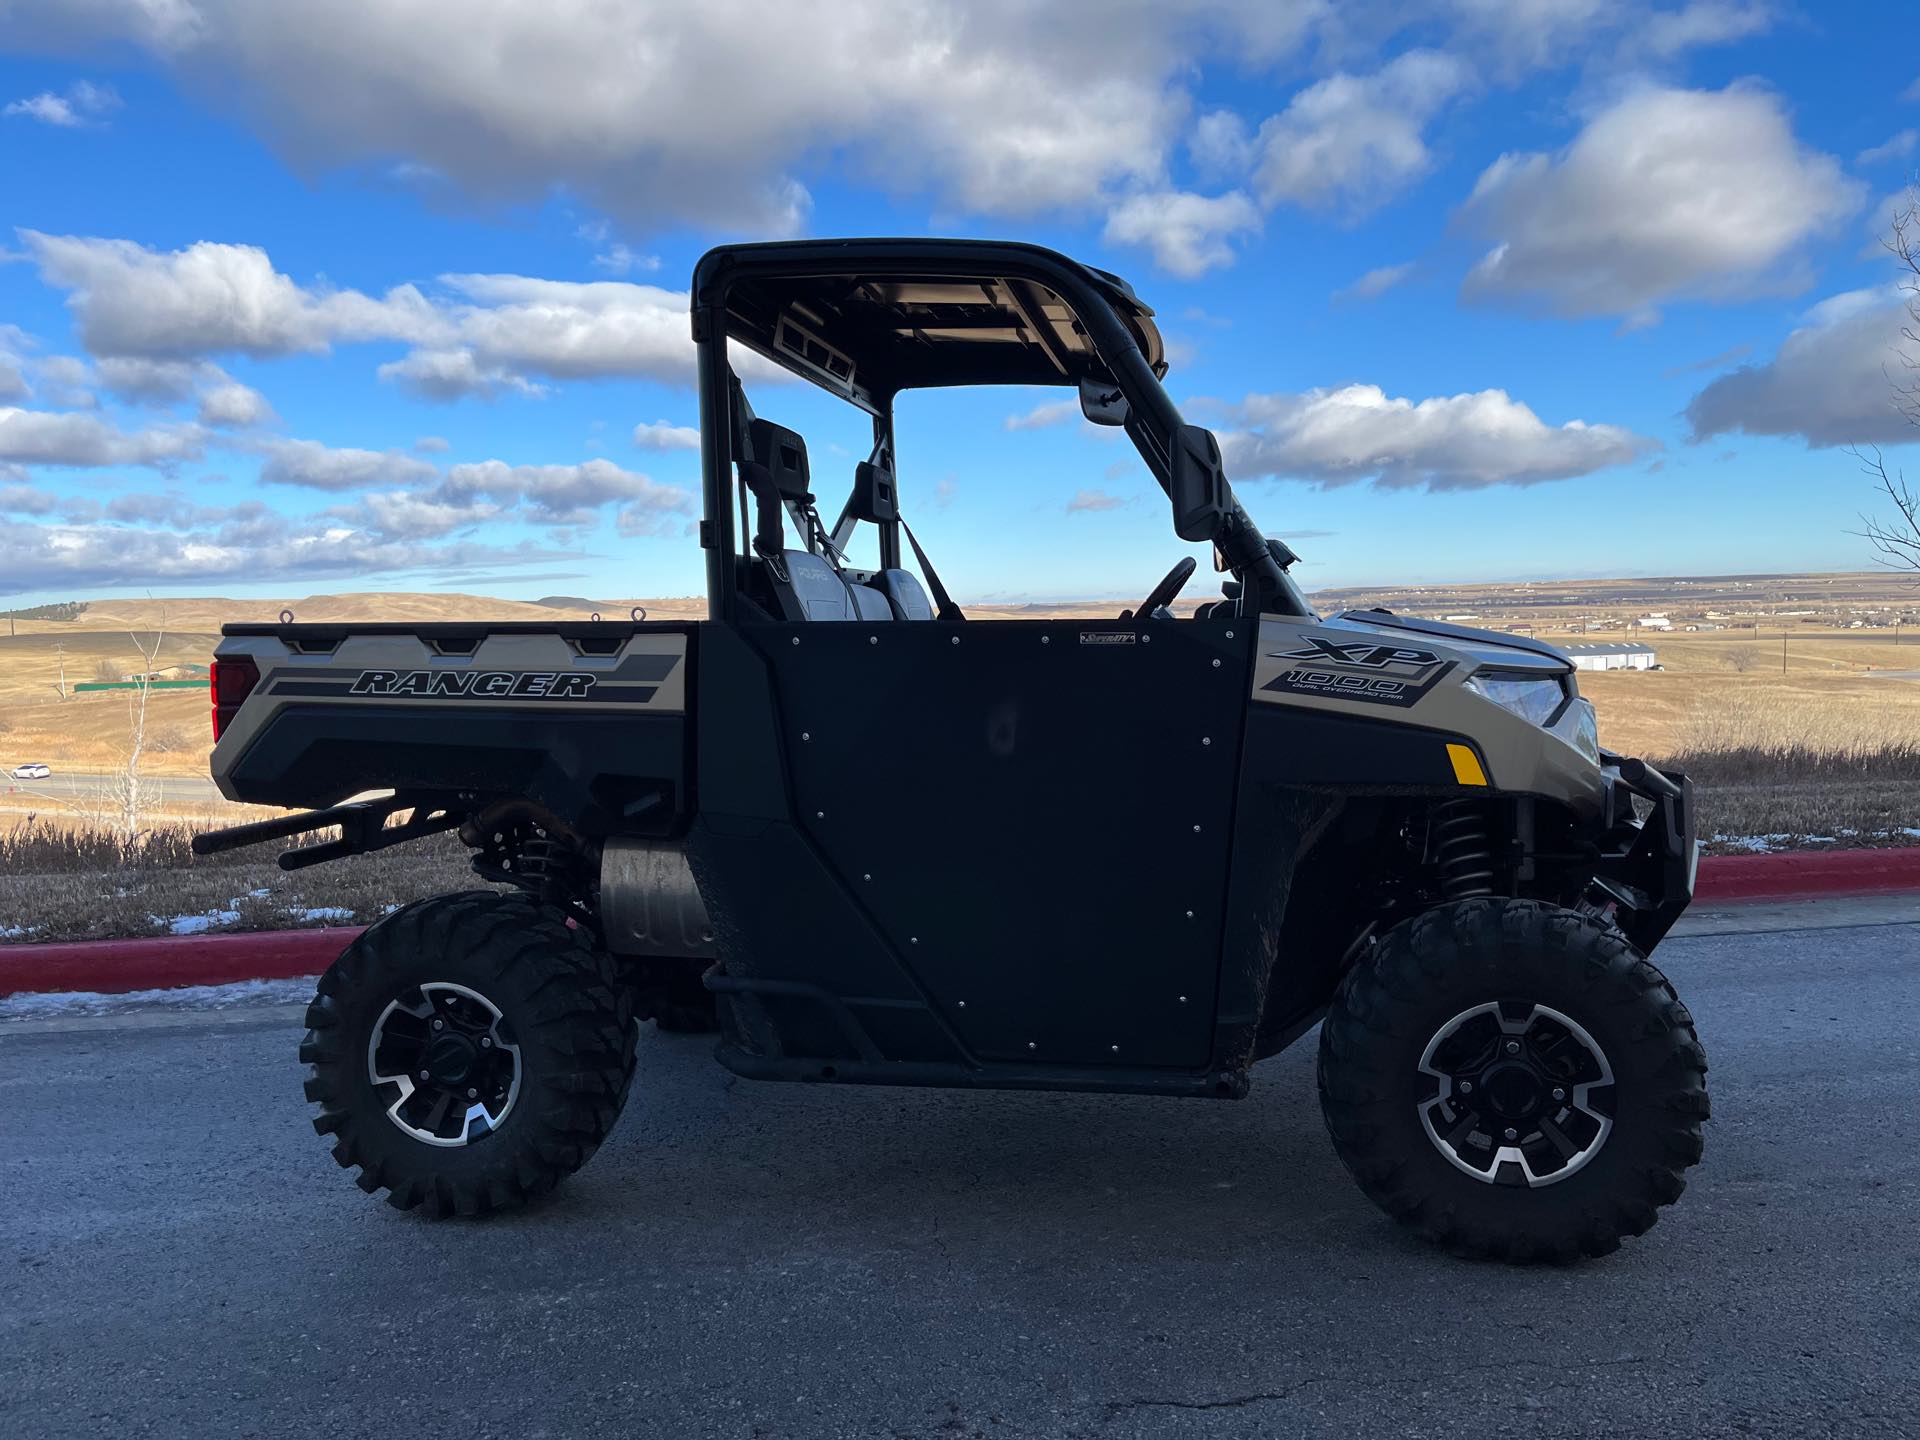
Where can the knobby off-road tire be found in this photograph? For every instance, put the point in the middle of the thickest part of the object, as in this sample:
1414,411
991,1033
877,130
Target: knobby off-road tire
1401,1008
509,975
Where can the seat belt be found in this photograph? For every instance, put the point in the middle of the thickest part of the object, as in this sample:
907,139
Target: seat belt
943,606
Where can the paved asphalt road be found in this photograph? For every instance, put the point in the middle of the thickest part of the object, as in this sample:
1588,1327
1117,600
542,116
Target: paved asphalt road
742,1260
159,789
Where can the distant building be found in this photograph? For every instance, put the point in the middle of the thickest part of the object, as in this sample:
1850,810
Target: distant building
1654,622
1618,655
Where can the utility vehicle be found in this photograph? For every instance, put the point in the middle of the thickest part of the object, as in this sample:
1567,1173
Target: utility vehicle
892,845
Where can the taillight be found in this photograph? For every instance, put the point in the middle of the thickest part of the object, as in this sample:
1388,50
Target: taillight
233,681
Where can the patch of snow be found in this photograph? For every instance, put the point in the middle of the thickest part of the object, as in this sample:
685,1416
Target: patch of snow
259,894
196,924
325,914
185,997
15,932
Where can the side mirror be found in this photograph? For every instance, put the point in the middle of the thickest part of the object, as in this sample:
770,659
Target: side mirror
1102,403
1197,484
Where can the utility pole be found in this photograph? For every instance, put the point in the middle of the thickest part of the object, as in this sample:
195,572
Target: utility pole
1783,652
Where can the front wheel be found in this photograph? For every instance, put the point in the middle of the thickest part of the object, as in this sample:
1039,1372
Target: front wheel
469,1052
1513,1080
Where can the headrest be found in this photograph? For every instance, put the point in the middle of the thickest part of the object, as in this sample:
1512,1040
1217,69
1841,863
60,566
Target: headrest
784,454
873,495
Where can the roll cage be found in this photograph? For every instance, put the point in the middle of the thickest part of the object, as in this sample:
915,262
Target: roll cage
868,319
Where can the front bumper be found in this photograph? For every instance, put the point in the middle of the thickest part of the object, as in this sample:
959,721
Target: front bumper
1648,863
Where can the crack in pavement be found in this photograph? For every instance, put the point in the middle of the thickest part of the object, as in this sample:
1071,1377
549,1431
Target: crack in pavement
1260,1397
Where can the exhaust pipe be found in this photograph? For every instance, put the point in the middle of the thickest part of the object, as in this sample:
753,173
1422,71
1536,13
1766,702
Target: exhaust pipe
650,904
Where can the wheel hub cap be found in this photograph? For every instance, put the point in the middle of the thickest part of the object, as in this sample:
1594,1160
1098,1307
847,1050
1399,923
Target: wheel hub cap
1515,1093
443,1058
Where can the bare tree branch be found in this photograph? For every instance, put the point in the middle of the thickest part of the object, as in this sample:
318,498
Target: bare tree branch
129,789
1896,538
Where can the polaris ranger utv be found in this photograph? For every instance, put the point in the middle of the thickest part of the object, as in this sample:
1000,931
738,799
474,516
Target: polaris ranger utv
893,845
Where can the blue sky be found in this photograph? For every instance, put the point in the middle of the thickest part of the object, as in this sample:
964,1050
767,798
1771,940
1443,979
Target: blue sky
392,296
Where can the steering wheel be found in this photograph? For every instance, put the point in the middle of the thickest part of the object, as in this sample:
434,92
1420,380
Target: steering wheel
1164,592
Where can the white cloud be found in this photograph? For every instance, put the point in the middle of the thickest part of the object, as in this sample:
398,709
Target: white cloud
1833,381
1666,34
247,546
562,494
1522,35
153,382
178,512
165,26
1221,145
432,445
1517,36
46,437
1086,502
83,104
1665,194
27,500
1349,143
232,405
1456,442
646,521
619,259
209,299
1375,283
150,310
1008,108
571,331
310,465
1188,234
399,515
14,343
1895,147
66,381
665,435
448,375
1050,412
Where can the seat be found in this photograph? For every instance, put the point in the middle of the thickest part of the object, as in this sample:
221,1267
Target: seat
904,594
868,603
817,591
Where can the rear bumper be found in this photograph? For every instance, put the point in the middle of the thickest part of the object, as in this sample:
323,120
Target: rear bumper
1648,864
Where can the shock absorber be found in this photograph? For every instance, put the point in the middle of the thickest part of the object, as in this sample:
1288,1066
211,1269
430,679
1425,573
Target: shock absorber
1461,850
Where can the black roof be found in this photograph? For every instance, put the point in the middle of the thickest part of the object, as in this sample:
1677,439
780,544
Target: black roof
868,318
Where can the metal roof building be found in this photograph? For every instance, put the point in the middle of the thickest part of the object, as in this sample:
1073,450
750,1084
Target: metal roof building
1612,655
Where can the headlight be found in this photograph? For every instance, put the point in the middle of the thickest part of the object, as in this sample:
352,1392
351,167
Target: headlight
1534,698
1579,729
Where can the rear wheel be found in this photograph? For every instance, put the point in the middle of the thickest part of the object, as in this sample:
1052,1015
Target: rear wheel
1513,1080
469,1052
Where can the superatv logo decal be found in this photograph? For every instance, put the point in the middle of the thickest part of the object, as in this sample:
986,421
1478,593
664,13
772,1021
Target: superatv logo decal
475,684
1367,670
1106,637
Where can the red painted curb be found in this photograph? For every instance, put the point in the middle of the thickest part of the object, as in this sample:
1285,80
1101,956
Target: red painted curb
1808,874
115,966
160,963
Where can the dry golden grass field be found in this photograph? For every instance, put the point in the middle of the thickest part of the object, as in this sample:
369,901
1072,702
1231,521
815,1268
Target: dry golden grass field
1826,751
